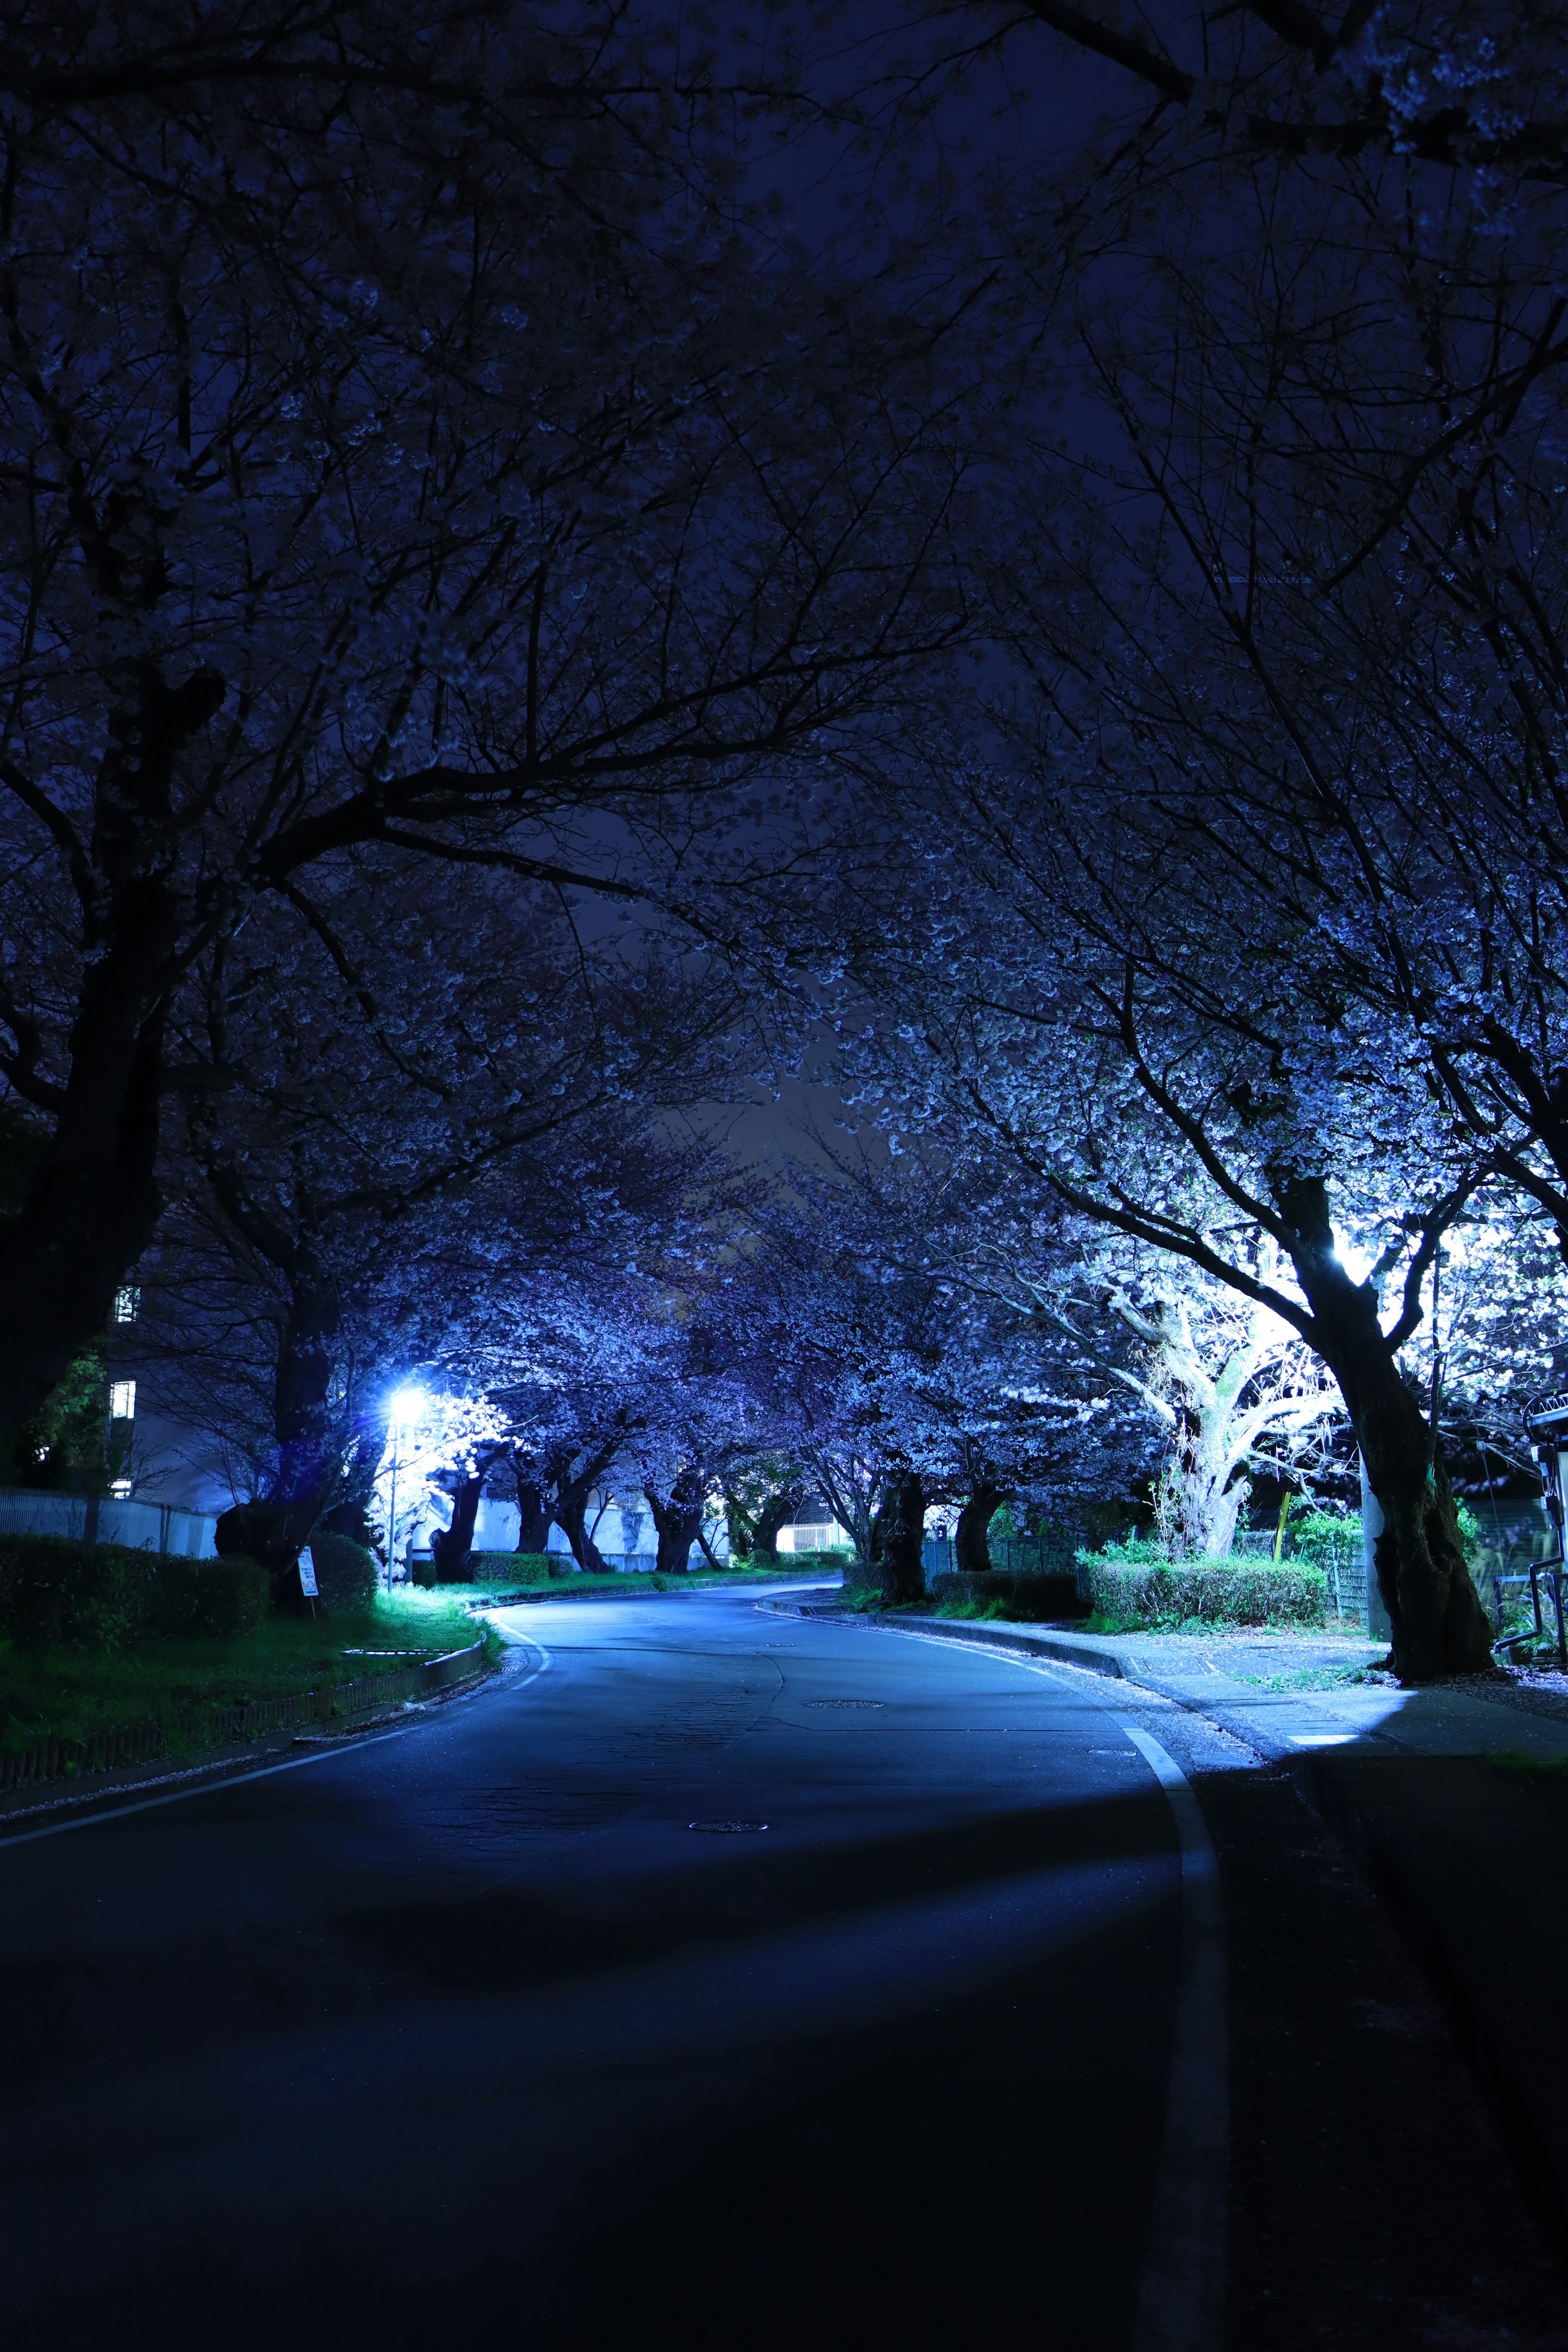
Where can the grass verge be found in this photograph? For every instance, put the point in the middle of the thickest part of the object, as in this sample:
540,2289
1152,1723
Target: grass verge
72,1695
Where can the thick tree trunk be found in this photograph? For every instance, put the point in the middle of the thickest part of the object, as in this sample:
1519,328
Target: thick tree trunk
452,1549
351,1513
532,1516
973,1545
92,1205
310,1449
1439,1625
895,1536
570,1516
274,1534
93,1202
775,1513
678,1517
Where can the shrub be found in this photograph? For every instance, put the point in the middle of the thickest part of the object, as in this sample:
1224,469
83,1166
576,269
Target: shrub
58,1592
511,1567
1158,1591
814,1562
346,1573
222,1600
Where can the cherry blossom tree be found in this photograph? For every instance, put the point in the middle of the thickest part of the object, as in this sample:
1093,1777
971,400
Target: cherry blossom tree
405,449
1231,1387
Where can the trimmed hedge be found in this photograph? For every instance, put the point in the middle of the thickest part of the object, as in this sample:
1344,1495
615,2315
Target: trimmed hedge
1223,1591
518,1567
58,1592
346,1574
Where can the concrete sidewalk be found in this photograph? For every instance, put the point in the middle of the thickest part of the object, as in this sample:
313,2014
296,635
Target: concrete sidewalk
1433,1792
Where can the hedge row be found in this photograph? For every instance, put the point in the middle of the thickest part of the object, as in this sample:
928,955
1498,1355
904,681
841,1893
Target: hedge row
1226,1592
58,1592
518,1567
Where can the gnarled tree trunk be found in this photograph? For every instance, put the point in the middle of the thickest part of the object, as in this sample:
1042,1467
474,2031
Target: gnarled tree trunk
1439,1625
309,1444
570,1511
533,1519
971,1544
678,1517
452,1549
896,1537
774,1516
93,1202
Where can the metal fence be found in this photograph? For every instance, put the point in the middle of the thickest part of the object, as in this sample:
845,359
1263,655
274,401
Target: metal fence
1048,1555
93,1518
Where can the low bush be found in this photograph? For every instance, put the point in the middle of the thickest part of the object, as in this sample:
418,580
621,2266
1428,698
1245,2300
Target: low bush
346,1574
519,1568
58,1592
1158,1591
814,1563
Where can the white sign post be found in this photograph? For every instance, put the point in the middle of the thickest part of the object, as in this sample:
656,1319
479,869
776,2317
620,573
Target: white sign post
307,1575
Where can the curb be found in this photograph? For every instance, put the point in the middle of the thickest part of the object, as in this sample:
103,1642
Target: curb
150,1743
239,1763
1066,1649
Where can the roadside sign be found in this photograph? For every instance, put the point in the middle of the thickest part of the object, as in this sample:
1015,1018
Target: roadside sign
307,1575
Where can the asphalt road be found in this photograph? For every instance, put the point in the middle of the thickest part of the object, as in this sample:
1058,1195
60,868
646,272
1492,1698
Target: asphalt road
476,2029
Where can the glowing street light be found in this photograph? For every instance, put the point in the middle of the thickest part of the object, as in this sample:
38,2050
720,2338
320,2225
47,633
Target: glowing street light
404,1410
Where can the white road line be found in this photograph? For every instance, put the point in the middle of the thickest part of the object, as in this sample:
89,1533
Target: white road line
1181,2303
206,1787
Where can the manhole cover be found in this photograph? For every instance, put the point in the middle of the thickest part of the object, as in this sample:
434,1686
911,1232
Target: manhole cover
846,1702
726,1829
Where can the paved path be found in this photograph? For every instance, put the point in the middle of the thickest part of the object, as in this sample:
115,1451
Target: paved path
468,2031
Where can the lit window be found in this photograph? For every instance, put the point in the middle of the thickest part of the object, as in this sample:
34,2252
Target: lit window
121,1489
122,1400
126,1302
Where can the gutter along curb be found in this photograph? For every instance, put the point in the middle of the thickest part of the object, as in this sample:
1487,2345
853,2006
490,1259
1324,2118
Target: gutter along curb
1100,1657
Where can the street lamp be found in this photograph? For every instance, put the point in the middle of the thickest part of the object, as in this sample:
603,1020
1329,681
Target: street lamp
403,1412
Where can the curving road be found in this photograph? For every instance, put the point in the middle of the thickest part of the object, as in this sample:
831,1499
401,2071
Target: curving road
465,2030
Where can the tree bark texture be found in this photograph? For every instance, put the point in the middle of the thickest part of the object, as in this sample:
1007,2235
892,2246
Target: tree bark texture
972,1543
678,1517
533,1519
776,1514
570,1510
1439,1625
93,1202
452,1549
895,1536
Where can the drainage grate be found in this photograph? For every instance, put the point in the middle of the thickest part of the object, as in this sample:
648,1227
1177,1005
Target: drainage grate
845,1702
726,1829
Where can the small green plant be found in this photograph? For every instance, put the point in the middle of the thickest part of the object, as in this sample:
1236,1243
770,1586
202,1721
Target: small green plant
1519,1765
